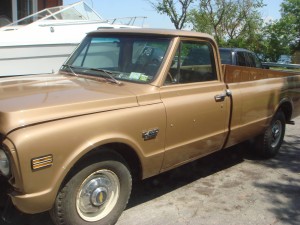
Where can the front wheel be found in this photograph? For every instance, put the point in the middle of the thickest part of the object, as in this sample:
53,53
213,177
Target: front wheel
95,195
269,143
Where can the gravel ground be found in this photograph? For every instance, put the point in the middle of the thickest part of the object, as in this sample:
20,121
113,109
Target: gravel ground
230,187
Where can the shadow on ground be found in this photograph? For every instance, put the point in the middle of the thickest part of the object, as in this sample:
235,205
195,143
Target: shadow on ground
159,185
284,194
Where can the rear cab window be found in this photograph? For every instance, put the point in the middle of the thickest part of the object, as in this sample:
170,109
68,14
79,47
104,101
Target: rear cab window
226,56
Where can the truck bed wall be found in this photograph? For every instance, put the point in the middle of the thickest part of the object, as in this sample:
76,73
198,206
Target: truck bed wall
256,95
236,74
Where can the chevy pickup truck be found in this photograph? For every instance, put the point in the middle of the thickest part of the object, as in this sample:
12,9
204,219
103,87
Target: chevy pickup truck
130,104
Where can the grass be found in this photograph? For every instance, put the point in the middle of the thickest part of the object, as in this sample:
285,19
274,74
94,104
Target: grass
285,69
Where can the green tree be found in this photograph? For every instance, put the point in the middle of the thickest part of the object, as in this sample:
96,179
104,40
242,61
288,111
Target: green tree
290,18
233,23
177,11
282,37
276,39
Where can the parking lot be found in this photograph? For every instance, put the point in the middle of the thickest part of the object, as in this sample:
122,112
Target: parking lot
228,187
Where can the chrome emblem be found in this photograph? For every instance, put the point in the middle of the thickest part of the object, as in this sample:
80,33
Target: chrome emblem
150,134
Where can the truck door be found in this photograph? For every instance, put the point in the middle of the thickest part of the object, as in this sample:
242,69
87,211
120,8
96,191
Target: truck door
196,107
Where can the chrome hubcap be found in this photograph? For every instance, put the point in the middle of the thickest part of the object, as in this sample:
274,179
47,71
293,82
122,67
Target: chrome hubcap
97,195
276,133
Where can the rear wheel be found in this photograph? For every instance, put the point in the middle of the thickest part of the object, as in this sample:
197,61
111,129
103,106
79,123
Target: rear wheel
269,143
96,194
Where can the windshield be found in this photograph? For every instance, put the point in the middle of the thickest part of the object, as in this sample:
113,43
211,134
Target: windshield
78,11
129,58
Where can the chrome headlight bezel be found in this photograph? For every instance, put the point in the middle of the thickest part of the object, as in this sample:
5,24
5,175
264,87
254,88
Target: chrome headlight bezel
4,164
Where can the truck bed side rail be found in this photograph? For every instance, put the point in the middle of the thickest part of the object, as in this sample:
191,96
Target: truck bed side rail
236,74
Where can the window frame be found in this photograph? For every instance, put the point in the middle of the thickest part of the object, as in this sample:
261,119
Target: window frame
212,57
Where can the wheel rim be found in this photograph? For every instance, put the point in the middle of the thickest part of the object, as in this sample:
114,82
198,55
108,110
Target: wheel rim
276,133
98,195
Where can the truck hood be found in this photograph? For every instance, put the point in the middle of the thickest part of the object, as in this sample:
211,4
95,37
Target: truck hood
33,99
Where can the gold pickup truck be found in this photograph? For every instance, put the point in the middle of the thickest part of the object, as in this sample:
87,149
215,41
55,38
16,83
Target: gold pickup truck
129,104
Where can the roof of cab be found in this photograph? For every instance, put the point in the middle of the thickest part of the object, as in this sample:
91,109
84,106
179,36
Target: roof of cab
235,49
151,31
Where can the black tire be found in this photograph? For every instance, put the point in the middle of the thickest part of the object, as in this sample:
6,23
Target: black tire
95,195
269,143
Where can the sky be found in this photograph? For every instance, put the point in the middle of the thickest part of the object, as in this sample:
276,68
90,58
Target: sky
109,9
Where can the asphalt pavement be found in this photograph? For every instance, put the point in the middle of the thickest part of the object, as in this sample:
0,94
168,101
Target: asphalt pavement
231,187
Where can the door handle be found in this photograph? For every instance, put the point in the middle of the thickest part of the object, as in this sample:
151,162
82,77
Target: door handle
221,97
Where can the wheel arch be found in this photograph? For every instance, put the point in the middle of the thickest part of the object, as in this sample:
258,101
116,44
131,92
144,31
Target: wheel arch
287,108
117,151
111,165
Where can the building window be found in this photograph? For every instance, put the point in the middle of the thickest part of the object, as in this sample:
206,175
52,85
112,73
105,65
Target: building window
24,8
5,12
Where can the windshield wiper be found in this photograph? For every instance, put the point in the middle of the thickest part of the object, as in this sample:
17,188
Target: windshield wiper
108,75
106,72
71,69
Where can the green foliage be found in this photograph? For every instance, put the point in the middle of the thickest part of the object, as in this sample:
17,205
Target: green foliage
238,23
277,40
229,21
290,17
176,10
282,37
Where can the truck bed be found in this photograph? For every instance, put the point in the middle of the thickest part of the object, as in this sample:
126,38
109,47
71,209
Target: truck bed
236,74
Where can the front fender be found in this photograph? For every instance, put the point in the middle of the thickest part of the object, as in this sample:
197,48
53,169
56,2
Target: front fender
68,140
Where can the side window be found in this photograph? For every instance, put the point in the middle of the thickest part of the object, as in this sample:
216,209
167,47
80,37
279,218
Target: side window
250,60
257,61
226,56
193,62
241,60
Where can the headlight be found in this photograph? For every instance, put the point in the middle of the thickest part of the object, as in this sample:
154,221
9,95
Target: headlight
4,164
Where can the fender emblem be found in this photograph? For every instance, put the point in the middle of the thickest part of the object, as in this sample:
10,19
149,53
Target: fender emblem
150,134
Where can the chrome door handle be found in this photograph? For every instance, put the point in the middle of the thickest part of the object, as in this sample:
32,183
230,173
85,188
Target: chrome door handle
221,97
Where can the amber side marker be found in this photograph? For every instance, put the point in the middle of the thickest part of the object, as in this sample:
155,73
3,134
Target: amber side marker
41,162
